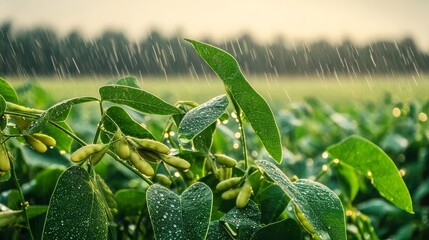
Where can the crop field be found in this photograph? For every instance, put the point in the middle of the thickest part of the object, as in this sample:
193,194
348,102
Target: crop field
280,92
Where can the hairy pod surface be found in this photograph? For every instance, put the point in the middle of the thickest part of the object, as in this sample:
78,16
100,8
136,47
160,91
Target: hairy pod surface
122,149
4,159
244,195
86,151
36,144
45,139
230,194
229,183
163,180
226,160
175,161
141,164
153,145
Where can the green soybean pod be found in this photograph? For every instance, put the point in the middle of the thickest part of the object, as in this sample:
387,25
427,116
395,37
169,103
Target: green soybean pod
304,222
96,157
226,160
45,139
230,194
86,151
149,155
35,144
163,180
175,161
4,159
244,195
152,145
122,149
227,184
141,165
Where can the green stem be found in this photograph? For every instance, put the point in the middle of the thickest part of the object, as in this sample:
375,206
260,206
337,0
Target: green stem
70,134
100,123
21,197
243,140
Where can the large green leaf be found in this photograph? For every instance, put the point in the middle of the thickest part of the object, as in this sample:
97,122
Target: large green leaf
117,116
272,201
370,160
201,117
7,91
57,113
284,229
75,210
130,201
138,99
319,205
180,217
254,106
238,223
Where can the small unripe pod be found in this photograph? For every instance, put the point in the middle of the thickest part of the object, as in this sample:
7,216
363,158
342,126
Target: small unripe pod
226,160
244,195
4,159
45,139
227,184
304,222
152,145
231,194
87,151
175,161
163,180
35,144
141,165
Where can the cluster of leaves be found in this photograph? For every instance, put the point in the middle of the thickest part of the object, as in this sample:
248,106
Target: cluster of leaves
114,199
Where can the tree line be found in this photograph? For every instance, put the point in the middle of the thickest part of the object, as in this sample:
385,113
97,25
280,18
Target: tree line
41,51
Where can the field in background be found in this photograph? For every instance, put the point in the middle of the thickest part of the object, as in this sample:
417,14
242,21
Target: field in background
279,92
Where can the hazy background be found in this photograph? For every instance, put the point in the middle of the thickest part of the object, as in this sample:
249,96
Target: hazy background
334,20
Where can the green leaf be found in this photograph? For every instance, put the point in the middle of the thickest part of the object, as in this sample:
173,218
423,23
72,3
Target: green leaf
138,99
127,81
254,106
49,158
75,211
130,201
7,91
2,105
348,179
320,206
238,223
203,141
370,160
44,183
272,201
201,117
128,126
64,141
180,217
279,230
57,113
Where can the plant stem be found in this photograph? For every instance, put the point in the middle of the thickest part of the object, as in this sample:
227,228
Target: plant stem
243,140
70,134
97,133
21,197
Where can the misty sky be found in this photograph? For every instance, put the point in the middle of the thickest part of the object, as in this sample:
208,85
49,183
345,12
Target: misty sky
334,20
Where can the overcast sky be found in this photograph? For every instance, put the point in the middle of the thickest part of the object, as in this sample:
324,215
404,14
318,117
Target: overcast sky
334,20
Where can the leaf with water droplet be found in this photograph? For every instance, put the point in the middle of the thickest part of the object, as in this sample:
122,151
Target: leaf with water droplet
365,156
279,230
75,210
201,117
242,222
242,94
319,205
128,81
7,91
57,113
137,99
184,217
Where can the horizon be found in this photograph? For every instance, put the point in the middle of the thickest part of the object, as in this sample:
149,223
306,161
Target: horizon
333,21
